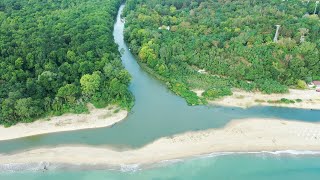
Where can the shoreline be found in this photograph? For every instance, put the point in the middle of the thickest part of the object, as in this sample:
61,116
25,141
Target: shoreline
47,166
68,122
249,135
310,99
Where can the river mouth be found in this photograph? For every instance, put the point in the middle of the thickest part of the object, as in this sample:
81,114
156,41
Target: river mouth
157,113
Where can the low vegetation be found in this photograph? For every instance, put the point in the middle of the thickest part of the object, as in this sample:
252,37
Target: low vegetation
284,101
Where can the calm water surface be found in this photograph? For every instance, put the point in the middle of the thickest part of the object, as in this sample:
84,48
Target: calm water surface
157,113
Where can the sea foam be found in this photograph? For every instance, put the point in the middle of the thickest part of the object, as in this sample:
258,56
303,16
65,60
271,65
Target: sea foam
130,167
15,167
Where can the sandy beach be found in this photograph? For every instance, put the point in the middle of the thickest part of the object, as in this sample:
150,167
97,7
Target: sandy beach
310,99
249,135
68,122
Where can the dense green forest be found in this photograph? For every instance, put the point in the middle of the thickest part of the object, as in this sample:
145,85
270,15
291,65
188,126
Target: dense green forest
58,55
217,45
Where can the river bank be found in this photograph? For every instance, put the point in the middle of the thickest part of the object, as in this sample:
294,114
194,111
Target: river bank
249,135
304,99
96,118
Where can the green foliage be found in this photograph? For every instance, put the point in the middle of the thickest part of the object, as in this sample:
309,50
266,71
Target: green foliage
231,40
282,101
183,91
57,56
316,78
26,108
246,85
287,101
68,92
301,84
90,84
215,93
269,86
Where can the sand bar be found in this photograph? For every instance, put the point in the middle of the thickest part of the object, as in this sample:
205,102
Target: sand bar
249,135
310,99
68,122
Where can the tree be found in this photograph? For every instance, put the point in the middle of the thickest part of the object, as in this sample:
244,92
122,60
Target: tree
47,80
71,56
147,54
7,111
68,93
26,108
90,83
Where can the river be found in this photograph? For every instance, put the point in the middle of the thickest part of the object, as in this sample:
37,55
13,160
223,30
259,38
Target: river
158,113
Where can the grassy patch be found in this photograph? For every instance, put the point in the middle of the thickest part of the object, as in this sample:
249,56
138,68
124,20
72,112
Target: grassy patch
282,101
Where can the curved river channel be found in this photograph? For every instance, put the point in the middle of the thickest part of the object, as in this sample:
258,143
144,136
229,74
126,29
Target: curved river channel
157,113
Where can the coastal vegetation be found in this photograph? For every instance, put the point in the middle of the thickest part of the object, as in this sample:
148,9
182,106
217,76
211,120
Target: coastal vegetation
219,45
284,101
281,101
57,56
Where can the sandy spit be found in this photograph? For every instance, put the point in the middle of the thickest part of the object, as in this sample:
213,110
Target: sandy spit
68,122
310,99
249,135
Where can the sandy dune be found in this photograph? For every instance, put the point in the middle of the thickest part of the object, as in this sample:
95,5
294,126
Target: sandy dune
96,118
241,135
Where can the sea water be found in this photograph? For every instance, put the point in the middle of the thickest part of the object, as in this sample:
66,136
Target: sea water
255,166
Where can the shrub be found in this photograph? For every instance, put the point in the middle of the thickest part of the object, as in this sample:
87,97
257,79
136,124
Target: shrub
246,86
316,78
283,101
286,101
215,93
270,86
183,91
301,84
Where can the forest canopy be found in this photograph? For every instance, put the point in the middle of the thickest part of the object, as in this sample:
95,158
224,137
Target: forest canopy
217,45
58,55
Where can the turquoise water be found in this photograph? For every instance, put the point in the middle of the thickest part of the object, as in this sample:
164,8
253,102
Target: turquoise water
240,167
157,113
